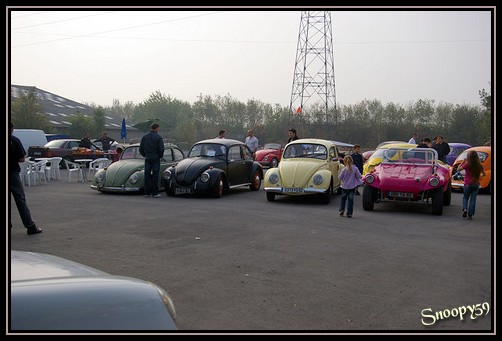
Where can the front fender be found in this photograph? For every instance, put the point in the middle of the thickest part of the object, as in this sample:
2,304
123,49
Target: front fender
326,176
214,174
267,175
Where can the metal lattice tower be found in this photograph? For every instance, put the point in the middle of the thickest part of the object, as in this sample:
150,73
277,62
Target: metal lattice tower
313,93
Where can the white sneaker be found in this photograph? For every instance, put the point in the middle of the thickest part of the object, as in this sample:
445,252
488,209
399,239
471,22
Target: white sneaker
157,195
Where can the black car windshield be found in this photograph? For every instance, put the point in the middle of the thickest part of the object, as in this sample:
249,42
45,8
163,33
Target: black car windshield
305,150
207,149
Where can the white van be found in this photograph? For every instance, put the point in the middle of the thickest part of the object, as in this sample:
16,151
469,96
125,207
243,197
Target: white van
30,137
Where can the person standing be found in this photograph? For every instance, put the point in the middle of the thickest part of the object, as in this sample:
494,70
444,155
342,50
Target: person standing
357,158
441,147
85,142
473,172
105,141
152,148
292,135
413,139
16,187
350,178
221,134
251,141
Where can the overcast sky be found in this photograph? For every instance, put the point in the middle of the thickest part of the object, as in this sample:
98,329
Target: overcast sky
392,56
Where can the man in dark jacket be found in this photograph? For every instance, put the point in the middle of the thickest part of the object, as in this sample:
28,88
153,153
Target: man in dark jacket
105,141
441,147
152,148
16,155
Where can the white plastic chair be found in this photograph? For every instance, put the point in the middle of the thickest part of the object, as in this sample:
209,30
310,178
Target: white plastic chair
38,171
98,164
73,167
25,173
52,168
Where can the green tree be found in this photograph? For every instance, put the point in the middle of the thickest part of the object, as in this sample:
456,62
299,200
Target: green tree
80,124
27,113
99,120
485,124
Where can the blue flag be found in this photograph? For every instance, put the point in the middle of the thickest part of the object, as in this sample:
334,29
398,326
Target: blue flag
123,131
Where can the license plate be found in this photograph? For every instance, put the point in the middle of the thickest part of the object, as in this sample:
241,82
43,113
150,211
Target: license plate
293,190
400,194
37,153
183,190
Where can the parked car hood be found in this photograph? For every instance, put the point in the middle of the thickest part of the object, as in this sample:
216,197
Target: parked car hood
397,177
118,172
188,170
296,173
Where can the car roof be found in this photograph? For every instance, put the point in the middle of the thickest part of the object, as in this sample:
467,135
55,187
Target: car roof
312,141
225,142
459,144
486,149
343,144
165,145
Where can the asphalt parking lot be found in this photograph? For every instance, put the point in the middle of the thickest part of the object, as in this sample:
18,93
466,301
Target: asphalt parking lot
243,264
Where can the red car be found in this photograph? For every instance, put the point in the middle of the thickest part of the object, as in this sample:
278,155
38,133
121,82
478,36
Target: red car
270,155
411,175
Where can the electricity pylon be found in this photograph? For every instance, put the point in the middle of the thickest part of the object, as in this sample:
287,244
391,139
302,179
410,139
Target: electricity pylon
313,99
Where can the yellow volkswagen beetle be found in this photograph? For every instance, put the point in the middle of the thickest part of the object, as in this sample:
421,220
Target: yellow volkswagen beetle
307,167
377,156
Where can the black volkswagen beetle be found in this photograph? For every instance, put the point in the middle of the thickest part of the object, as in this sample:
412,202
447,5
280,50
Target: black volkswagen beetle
213,166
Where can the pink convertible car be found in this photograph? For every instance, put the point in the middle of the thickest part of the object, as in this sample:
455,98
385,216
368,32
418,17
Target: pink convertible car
411,175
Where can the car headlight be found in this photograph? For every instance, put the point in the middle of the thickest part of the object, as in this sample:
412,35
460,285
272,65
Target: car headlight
133,178
99,176
166,299
317,179
167,174
369,178
204,177
265,158
273,178
434,181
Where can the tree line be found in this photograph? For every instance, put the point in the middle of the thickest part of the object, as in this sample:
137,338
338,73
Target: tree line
366,123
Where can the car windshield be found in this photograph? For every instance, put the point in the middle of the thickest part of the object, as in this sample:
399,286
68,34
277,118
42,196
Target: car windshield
272,146
55,143
482,156
131,153
409,155
208,149
305,150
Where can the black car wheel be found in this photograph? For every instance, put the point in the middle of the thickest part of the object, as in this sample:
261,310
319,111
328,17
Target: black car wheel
447,195
255,181
270,196
368,195
274,163
437,202
218,187
326,196
170,191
